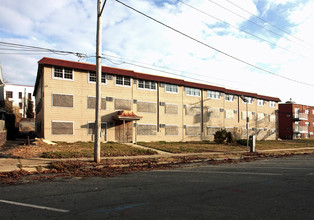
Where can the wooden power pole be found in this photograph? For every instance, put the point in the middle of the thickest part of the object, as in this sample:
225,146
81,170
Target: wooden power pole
97,123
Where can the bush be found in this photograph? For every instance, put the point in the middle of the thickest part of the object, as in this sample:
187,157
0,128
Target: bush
223,136
242,142
229,137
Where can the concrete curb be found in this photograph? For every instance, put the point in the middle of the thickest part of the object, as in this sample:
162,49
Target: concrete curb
35,164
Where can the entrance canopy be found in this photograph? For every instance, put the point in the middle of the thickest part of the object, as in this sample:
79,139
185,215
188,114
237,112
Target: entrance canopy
126,116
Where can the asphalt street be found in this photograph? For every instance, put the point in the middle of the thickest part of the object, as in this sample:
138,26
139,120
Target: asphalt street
280,188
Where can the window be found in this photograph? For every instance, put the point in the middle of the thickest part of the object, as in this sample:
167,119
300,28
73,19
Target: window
192,91
62,73
123,80
91,127
145,84
213,95
171,88
260,102
272,104
92,77
62,128
249,100
307,112
20,95
229,98
146,129
307,123
9,94
20,105
29,96
172,130
91,103
62,100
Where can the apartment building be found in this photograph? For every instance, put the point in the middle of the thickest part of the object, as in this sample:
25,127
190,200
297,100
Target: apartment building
296,121
18,95
142,107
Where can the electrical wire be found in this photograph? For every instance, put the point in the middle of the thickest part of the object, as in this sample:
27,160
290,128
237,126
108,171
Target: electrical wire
263,20
261,26
244,31
213,48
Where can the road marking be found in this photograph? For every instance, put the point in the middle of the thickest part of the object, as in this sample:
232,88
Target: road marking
222,172
34,206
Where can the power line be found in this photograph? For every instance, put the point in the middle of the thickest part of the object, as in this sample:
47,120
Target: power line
140,64
280,29
261,26
244,31
20,47
213,48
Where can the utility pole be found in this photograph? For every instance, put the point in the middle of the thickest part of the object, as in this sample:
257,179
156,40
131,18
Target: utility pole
97,123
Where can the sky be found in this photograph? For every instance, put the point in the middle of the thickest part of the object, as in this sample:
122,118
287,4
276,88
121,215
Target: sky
258,46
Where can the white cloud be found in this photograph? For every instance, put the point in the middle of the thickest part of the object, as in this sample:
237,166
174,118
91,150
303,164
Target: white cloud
71,25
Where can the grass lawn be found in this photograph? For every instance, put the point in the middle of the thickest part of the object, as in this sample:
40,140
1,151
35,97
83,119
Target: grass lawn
207,146
192,147
86,149
73,150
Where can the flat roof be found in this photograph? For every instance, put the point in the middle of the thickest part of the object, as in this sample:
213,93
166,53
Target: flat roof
45,61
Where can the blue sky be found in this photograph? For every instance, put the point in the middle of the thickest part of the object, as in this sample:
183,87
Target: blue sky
70,25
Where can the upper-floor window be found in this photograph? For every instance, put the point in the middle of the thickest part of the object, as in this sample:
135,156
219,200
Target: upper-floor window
9,94
29,96
192,91
63,73
307,112
229,97
260,102
171,88
145,84
272,104
213,95
123,80
92,77
249,100
20,95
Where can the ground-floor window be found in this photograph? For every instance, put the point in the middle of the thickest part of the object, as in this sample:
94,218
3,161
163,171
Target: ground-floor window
191,130
171,130
62,127
146,129
91,127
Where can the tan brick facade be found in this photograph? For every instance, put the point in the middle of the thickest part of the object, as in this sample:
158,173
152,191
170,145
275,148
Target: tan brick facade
171,109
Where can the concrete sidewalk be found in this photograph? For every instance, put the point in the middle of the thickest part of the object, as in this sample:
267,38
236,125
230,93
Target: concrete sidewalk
32,164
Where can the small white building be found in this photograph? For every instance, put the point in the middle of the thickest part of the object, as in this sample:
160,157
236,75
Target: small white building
18,95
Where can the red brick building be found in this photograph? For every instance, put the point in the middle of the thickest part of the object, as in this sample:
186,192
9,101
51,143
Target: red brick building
295,121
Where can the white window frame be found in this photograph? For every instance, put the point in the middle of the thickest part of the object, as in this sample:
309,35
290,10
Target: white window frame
61,106
260,102
229,97
307,111
170,87
103,76
63,73
307,123
272,104
248,99
149,83
213,94
123,81
66,122
192,92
